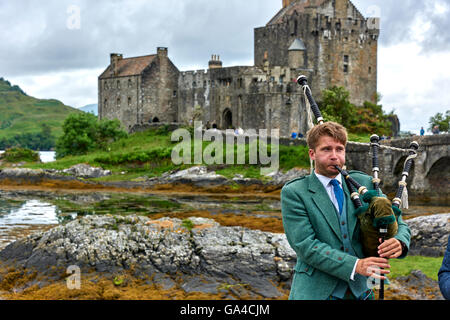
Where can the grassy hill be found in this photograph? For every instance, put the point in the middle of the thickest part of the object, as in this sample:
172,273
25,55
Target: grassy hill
20,113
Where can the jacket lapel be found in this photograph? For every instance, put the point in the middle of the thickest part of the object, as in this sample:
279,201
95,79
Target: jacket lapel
351,217
323,202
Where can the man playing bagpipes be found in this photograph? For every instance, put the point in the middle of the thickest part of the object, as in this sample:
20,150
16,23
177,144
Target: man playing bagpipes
322,226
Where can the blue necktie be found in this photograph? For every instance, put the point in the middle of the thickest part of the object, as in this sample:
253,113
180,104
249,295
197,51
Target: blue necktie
338,193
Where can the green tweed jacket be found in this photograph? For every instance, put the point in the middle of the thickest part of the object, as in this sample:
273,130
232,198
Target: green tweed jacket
312,229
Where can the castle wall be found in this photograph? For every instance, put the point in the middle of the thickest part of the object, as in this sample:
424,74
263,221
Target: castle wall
119,99
254,100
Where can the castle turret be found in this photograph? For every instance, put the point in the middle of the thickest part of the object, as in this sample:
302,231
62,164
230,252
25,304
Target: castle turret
215,62
296,54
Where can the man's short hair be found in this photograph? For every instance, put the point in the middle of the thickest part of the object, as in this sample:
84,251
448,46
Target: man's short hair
331,129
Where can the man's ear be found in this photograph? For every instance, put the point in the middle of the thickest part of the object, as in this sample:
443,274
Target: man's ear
312,154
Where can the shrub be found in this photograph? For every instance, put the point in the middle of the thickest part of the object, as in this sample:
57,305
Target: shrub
17,154
83,133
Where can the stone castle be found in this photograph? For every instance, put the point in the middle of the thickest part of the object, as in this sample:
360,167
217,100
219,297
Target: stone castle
329,41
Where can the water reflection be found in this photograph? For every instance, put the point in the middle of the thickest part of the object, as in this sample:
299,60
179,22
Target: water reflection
21,218
31,212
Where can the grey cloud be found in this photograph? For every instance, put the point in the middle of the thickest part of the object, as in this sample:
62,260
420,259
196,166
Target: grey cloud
398,18
192,29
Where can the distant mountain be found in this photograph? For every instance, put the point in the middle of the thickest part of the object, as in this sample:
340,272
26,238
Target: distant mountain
92,108
20,113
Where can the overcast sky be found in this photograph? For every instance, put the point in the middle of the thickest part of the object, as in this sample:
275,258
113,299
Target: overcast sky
58,48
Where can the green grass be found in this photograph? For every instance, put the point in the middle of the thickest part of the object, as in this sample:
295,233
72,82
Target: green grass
403,267
359,137
148,154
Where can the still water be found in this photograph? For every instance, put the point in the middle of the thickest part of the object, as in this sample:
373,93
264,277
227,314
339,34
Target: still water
46,156
26,212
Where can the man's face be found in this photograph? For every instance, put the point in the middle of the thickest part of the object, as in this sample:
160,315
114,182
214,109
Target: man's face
327,154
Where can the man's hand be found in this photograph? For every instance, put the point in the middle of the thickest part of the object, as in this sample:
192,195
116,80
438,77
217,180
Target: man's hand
373,267
390,249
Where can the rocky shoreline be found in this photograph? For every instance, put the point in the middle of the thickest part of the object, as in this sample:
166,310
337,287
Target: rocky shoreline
192,255
196,177
202,254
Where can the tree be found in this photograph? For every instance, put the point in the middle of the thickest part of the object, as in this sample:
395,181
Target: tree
439,120
336,104
109,131
83,133
368,118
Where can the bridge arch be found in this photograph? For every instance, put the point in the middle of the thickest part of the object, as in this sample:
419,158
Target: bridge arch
439,174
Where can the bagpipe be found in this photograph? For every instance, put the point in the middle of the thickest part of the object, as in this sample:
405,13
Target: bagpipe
378,216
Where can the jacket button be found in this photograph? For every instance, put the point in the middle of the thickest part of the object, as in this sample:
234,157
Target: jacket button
343,223
340,259
315,247
306,269
345,236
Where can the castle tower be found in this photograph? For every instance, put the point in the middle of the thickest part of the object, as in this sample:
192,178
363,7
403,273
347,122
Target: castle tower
339,45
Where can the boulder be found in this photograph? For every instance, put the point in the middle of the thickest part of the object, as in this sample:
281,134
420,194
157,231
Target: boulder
198,176
82,170
429,235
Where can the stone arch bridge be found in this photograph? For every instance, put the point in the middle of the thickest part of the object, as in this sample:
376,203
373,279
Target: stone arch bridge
429,178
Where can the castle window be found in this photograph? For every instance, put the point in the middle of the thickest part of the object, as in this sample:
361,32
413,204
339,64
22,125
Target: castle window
129,83
174,93
346,63
118,103
370,70
105,103
105,85
118,84
129,101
